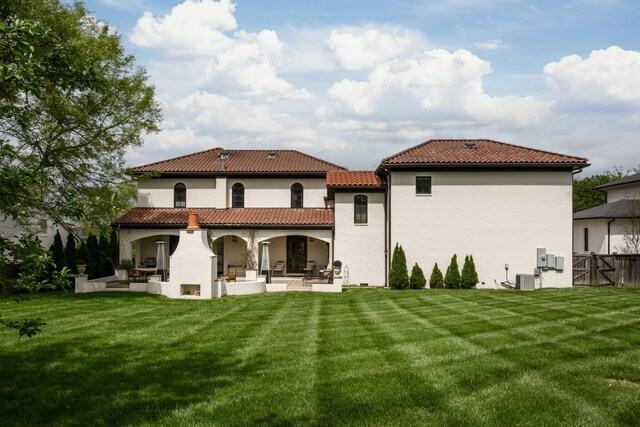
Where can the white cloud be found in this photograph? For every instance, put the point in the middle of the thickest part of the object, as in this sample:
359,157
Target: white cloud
606,77
364,47
240,63
492,44
192,28
248,68
439,83
216,112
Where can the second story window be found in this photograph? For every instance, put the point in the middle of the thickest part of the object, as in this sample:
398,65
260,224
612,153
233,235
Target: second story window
423,185
297,193
180,195
360,209
237,195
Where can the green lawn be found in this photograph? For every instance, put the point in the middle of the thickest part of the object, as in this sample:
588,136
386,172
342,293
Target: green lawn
366,356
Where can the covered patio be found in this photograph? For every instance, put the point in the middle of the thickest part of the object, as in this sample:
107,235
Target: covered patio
298,238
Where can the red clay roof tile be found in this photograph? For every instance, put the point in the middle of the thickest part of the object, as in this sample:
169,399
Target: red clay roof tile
241,162
439,152
353,179
177,217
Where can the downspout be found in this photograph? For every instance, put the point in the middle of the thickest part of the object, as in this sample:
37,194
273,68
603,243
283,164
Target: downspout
609,236
387,234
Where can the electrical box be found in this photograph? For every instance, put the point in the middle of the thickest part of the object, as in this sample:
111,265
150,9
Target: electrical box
551,261
542,258
559,263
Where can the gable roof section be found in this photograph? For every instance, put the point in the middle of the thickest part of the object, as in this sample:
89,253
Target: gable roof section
340,179
622,181
241,162
620,209
254,217
485,152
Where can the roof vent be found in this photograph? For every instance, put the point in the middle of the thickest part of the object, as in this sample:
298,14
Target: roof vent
224,156
272,154
470,145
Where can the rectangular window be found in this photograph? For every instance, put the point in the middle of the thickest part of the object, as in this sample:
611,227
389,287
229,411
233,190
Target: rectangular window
586,239
360,203
42,226
423,185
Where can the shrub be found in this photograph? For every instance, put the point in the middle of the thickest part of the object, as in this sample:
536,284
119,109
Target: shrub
474,273
398,274
436,280
114,247
71,254
57,251
452,278
83,252
105,262
93,257
469,276
417,279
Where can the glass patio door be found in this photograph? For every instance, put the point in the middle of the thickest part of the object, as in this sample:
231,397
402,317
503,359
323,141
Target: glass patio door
296,254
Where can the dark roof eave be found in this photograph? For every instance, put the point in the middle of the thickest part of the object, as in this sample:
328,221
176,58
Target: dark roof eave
215,226
391,166
160,174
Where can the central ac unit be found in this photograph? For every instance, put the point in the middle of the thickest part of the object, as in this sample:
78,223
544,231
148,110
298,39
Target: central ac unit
525,282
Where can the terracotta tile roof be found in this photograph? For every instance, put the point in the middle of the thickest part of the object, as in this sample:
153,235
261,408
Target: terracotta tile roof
241,162
176,217
353,179
443,152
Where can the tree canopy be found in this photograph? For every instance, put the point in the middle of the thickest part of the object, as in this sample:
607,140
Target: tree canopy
71,103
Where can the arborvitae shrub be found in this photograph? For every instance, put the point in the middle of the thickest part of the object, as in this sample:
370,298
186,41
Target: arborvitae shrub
452,278
469,274
398,274
114,247
474,273
436,280
57,251
93,257
106,264
83,252
465,277
71,254
417,279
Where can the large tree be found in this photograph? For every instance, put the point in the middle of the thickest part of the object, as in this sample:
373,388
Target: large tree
585,193
71,103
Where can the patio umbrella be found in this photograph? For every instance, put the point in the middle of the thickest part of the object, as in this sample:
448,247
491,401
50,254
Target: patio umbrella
266,264
160,264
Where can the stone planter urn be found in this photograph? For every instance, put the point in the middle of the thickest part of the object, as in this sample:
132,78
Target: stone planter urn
337,268
82,268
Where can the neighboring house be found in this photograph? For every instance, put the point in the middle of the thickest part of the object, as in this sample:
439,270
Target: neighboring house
498,202
44,229
603,229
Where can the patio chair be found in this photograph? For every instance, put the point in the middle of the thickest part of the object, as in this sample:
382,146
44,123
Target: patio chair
279,268
231,275
327,274
308,270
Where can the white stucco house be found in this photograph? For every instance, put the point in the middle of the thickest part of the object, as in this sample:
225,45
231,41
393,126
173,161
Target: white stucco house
45,229
499,202
602,229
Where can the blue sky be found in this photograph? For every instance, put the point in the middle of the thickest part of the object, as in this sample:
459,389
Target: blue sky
356,81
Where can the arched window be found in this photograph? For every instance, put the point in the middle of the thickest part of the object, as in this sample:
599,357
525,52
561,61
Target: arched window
297,193
360,209
237,195
180,195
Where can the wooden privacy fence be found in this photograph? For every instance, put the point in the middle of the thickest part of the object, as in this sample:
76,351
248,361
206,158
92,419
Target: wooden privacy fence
620,270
